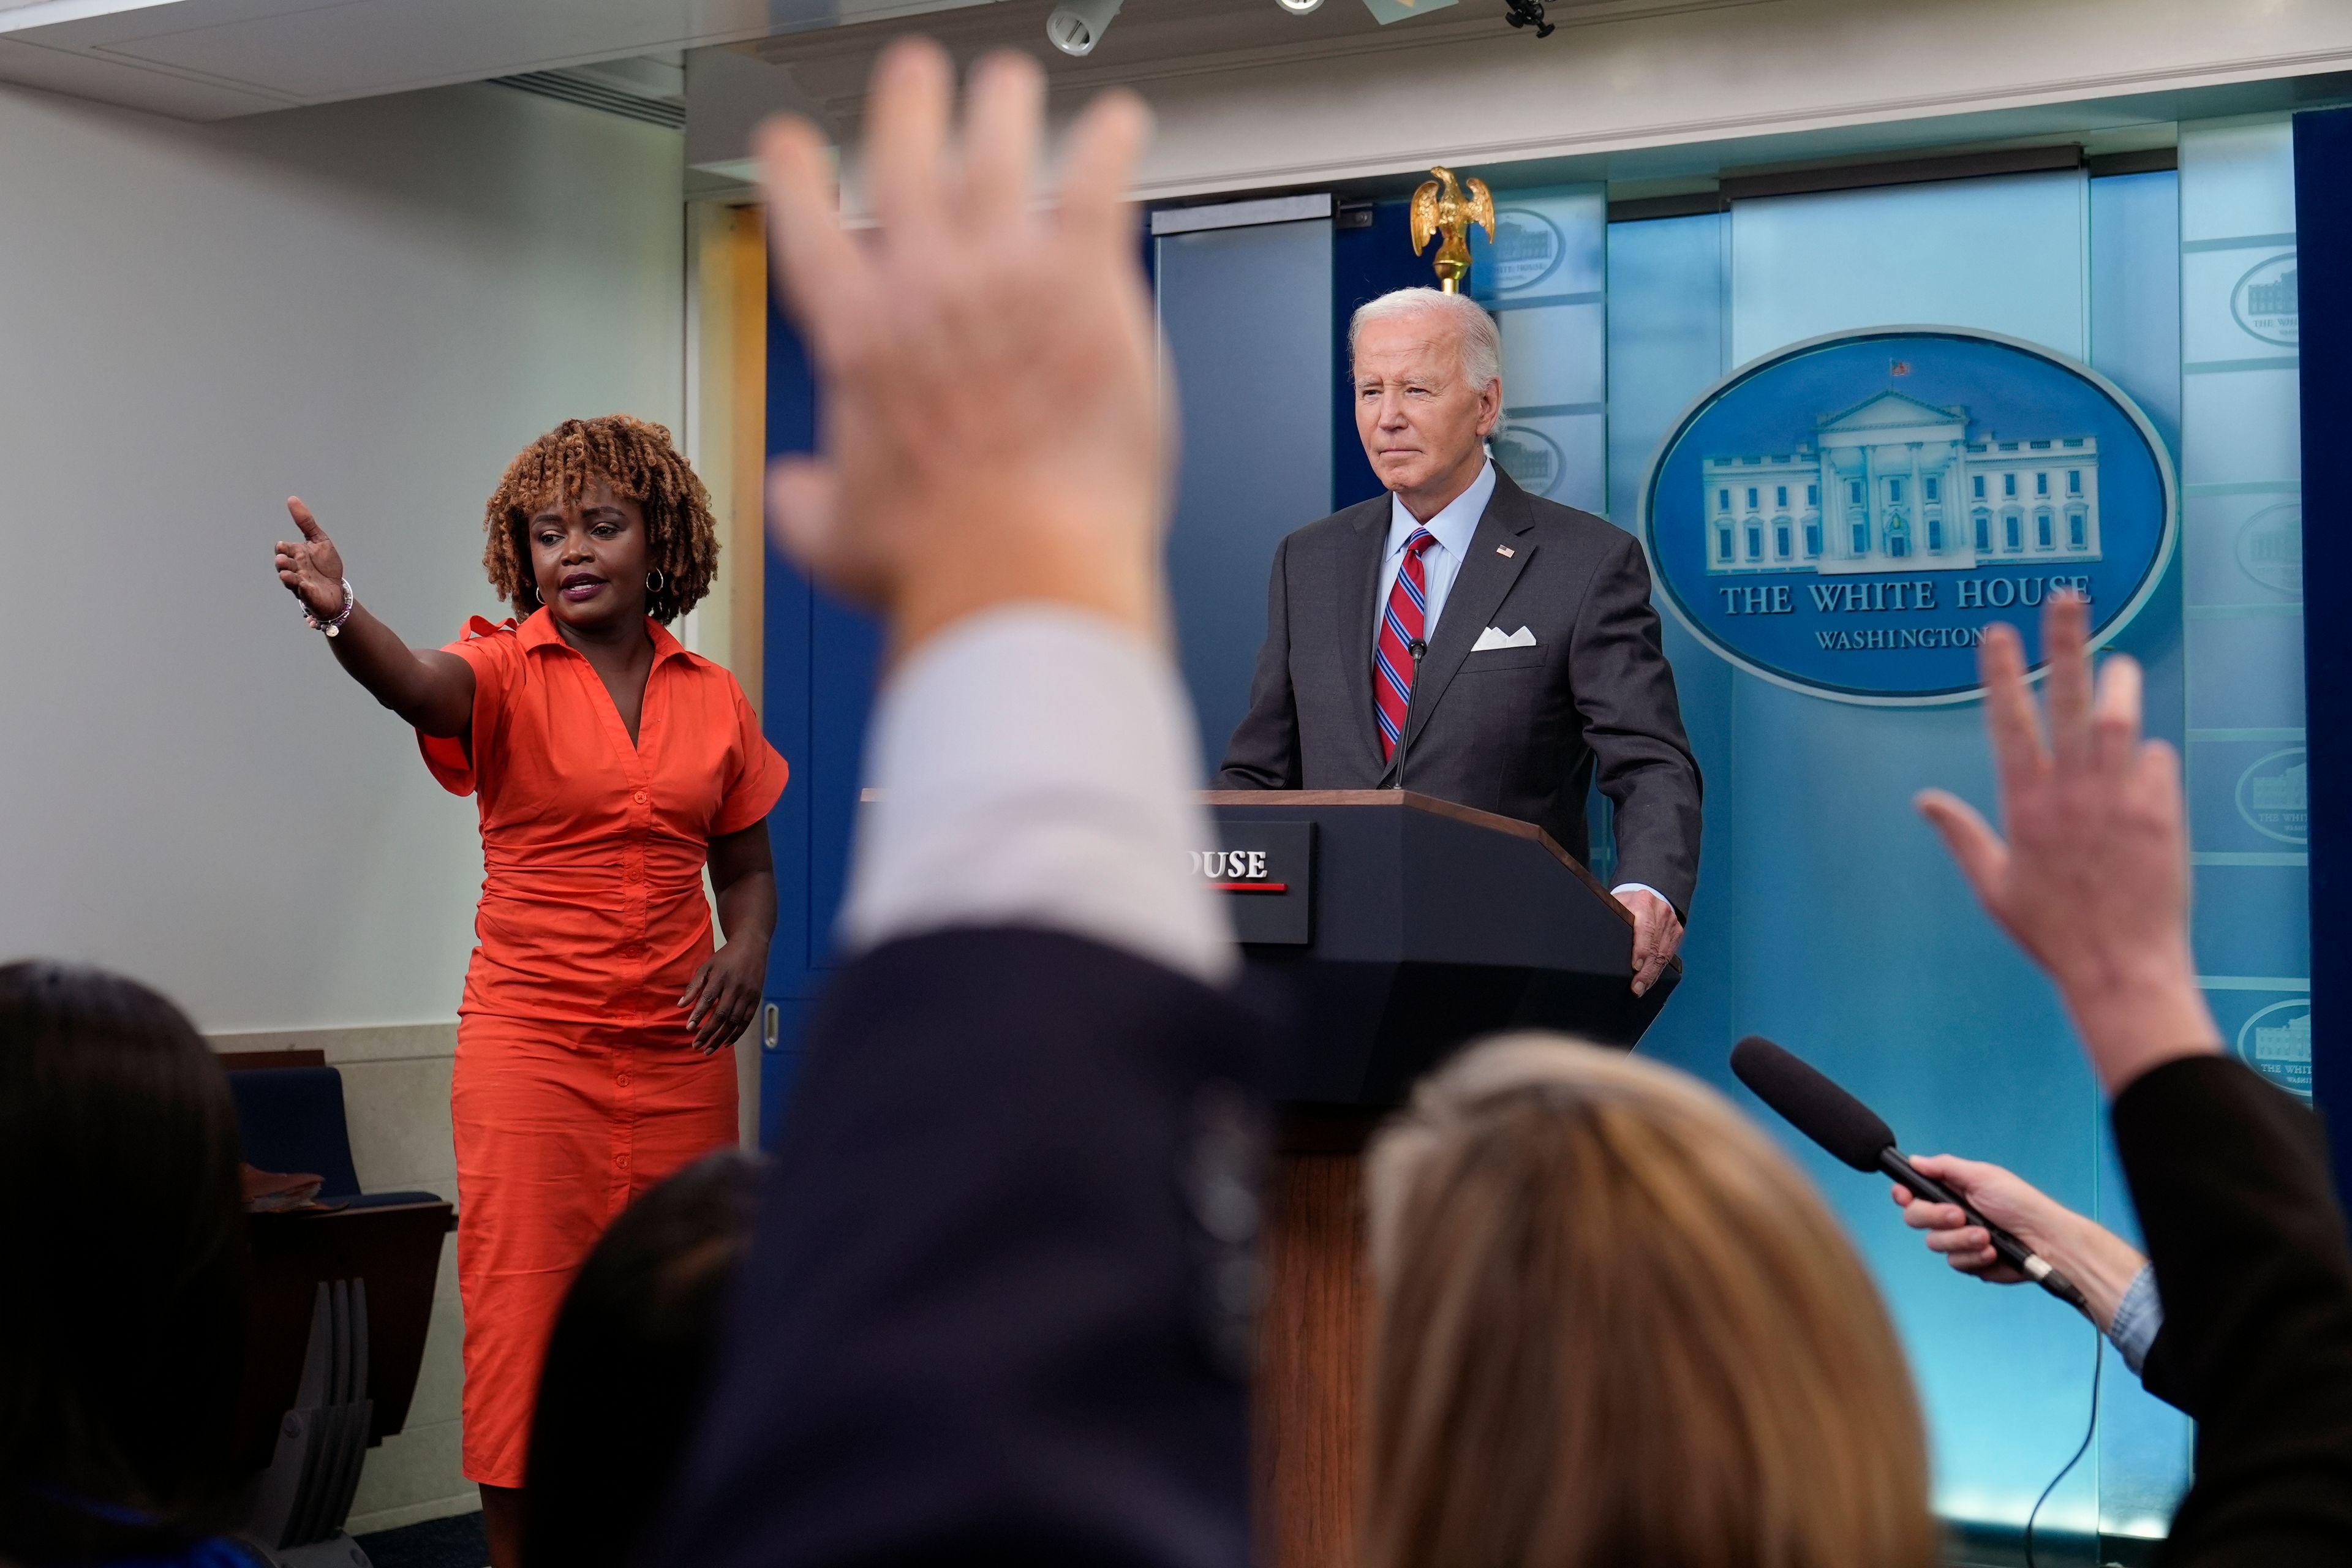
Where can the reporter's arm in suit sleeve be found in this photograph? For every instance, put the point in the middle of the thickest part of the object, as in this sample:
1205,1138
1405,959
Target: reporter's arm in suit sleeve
2230,1179
1263,750
1625,689
995,1308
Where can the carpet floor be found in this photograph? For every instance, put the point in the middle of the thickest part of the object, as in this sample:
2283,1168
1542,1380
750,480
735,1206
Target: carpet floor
453,1542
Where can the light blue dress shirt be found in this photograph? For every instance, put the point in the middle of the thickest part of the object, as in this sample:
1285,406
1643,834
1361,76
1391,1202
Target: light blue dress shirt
2137,1317
1440,564
1441,561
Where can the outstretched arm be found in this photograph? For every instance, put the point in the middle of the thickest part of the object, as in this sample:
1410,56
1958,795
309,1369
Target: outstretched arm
429,689
2230,1174
2096,1260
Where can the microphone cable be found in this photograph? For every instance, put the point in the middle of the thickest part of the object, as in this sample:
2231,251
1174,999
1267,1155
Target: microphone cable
2090,1430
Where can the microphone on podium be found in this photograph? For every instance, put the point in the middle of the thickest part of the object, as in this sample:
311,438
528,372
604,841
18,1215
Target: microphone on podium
1815,1106
1405,736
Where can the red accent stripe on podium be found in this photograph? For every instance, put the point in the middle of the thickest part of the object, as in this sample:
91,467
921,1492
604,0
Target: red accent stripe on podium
1251,887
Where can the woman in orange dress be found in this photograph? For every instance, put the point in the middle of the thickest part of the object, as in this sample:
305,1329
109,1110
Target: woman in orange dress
611,767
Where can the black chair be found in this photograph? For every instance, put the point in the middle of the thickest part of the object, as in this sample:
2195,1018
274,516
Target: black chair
340,1303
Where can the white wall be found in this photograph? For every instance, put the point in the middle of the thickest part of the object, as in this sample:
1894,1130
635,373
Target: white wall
372,305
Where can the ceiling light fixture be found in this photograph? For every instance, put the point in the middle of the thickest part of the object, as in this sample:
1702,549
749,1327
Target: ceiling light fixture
1520,13
1077,27
1300,7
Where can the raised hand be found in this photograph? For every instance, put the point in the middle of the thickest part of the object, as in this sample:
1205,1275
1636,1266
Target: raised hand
312,567
993,428
2092,881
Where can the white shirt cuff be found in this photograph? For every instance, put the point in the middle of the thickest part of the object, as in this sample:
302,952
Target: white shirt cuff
1034,765
1621,888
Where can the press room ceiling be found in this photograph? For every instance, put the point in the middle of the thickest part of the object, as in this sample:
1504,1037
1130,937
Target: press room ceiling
209,59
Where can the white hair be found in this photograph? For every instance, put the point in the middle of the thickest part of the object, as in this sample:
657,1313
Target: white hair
1481,345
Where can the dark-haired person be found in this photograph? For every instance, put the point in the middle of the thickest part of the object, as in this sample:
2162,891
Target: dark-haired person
629,1363
2230,1174
612,765
122,1314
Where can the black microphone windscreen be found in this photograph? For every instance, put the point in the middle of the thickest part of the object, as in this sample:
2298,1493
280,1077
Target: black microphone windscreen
1813,1105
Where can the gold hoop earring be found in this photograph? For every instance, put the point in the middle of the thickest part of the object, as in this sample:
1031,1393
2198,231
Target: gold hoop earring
655,581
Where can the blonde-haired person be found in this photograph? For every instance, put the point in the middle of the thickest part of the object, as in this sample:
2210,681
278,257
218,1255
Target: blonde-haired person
1615,1325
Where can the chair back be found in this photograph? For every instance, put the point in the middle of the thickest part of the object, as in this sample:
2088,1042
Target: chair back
291,1119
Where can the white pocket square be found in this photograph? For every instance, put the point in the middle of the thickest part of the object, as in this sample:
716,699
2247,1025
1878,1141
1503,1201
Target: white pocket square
1493,637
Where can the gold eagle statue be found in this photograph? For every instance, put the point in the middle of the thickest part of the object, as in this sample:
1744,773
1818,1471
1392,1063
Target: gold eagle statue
1439,208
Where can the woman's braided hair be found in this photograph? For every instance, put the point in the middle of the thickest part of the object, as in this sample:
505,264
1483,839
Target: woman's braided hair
638,461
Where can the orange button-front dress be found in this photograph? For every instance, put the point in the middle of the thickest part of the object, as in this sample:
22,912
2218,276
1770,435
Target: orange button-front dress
577,1084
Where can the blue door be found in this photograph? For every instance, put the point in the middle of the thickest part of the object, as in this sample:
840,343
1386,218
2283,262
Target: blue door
821,658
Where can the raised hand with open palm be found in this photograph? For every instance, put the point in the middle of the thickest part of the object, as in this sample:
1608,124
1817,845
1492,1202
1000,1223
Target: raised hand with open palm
2092,880
312,567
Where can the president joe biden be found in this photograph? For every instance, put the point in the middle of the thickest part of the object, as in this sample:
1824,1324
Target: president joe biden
1503,647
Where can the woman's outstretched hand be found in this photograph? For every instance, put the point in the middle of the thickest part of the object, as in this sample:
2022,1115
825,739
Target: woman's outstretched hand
2093,880
312,567
993,429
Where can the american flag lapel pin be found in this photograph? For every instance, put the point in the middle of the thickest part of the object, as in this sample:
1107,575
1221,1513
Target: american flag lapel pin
1504,551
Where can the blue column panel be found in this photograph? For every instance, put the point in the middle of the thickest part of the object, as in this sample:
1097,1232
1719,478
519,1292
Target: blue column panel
1543,280
1669,341
2323,178
1828,914
2242,467
1247,313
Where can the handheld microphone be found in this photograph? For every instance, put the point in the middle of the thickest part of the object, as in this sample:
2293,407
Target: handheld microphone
1818,1108
1404,737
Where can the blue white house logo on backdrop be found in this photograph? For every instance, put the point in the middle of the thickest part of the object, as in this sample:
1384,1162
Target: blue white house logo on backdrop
1847,516
2277,1041
2274,796
1526,250
1532,458
2265,301
2270,547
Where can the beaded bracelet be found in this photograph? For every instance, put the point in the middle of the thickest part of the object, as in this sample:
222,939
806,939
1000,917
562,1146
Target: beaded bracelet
336,625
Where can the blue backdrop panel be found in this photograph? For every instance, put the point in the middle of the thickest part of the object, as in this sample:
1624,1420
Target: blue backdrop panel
1368,259
2241,482
2322,172
1669,341
1543,280
2143,1450
1246,314
1890,977
1826,912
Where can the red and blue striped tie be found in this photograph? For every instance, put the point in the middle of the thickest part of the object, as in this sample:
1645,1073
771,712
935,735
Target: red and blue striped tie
1401,627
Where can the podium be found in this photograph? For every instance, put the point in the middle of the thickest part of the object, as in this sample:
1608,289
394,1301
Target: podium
1403,926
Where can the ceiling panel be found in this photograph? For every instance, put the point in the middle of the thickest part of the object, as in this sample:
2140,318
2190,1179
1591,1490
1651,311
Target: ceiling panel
365,47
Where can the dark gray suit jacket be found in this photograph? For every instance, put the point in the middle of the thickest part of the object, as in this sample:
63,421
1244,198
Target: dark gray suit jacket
1521,731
